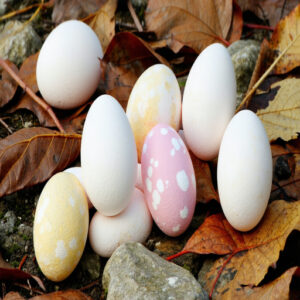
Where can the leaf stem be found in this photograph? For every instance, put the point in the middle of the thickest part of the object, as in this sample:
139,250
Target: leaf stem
257,26
134,16
177,254
34,97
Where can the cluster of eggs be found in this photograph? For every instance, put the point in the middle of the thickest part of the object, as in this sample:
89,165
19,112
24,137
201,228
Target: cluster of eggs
135,166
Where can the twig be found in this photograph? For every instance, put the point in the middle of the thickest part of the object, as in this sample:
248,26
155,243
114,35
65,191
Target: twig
134,16
35,98
96,282
263,77
22,261
6,126
257,26
28,288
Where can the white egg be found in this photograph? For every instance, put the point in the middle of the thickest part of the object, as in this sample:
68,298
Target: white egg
208,101
68,68
108,156
131,225
244,171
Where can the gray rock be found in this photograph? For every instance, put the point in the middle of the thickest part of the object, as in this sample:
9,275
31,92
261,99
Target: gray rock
244,54
133,272
90,265
7,225
18,41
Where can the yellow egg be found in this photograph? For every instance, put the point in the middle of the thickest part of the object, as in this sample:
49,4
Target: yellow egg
60,226
155,98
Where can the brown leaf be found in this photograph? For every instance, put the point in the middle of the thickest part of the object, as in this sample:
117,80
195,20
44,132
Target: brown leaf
196,24
236,27
125,59
63,295
8,85
13,296
32,155
28,72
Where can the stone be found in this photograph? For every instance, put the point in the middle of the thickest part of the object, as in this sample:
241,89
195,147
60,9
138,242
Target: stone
5,5
7,225
18,41
90,265
134,272
244,54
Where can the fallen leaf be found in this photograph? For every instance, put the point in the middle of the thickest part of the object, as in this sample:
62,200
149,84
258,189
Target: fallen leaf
28,72
196,24
13,296
63,295
125,59
282,117
8,85
32,155
103,22
285,32
236,28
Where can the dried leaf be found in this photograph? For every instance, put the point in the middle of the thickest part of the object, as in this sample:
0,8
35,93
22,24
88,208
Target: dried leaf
13,296
32,155
125,59
282,117
8,85
196,24
285,32
28,72
63,295
236,27
103,22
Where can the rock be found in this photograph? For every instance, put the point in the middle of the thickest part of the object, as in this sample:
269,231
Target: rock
244,54
18,41
133,272
7,225
90,265
5,5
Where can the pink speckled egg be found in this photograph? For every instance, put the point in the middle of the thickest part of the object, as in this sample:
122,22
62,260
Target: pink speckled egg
169,180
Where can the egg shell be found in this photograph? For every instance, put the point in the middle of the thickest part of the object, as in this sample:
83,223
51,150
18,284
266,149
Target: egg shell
68,68
78,173
155,98
139,179
169,180
108,156
131,225
244,172
208,101
60,226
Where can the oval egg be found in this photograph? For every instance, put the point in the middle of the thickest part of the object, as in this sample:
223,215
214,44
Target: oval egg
155,98
60,226
168,179
209,100
108,156
244,172
68,68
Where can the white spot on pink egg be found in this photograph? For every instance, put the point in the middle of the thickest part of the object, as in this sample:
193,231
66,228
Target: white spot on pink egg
175,144
156,164
42,209
181,142
164,131
156,199
73,243
72,201
160,185
145,148
149,185
184,213
172,152
193,180
151,160
60,250
182,180
176,228
150,171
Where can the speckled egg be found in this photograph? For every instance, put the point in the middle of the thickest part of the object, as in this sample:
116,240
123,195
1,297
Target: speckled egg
168,179
155,98
60,226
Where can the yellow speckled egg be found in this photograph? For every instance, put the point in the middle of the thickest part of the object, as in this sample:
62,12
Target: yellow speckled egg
60,226
155,98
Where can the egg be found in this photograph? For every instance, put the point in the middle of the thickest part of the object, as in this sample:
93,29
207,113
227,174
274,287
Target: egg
168,179
68,68
155,98
60,226
244,172
139,180
208,101
108,156
131,225
78,173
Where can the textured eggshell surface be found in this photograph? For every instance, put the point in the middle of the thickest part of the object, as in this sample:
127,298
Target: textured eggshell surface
108,156
60,226
244,171
169,180
77,171
134,224
68,69
155,98
208,101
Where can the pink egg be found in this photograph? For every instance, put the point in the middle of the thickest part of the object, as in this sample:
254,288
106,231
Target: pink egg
169,180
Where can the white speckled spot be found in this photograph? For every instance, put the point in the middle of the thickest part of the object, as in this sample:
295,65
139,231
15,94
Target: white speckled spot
150,171
60,250
145,148
193,180
176,228
73,243
151,160
78,253
142,107
149,185
40,213
160,185
184,213
81,208
181,142
172,281
45,227
45,260
156,164
175,144
151,133
172,152
164,131
182,180
156,199
72,201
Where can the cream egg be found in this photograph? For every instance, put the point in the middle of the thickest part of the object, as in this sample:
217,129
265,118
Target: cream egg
108,156
60,226
68,68
208,101
155,98
131,225
244,171
168,179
